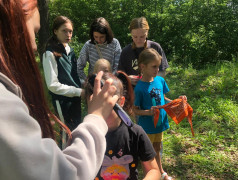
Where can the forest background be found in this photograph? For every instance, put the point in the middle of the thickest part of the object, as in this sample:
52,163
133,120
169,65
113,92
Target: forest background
200,40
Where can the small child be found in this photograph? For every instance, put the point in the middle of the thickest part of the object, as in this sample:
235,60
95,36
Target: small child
126,146
102,65
150,91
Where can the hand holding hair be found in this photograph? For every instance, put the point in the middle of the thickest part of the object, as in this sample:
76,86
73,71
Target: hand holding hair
102,100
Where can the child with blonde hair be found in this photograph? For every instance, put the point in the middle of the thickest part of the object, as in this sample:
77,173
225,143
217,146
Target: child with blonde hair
102,65
149,92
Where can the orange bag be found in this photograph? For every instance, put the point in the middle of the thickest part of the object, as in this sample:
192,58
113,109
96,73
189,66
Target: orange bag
177,109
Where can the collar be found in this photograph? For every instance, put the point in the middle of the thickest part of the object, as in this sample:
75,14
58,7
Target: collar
67,49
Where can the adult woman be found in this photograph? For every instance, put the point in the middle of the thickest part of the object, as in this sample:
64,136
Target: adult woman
28,150
102,45
60,70
128,62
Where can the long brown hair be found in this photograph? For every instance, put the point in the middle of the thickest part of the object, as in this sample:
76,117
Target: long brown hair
53,41
124,88
17,60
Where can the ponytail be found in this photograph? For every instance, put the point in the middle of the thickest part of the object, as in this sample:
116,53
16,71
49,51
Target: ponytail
127,91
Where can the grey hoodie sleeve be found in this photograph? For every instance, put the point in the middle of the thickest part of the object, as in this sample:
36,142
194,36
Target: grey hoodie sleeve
25,155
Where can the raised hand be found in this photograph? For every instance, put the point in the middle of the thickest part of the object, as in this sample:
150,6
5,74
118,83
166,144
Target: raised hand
102,100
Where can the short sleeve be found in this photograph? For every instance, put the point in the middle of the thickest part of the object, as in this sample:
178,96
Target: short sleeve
138,96
165,87
146,149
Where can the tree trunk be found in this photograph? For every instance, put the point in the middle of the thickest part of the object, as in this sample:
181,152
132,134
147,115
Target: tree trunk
44,21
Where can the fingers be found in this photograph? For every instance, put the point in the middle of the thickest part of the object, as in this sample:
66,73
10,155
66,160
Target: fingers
152,110
108,86
83,93
102,101
110,90
115,99
97,83
134,79
183,97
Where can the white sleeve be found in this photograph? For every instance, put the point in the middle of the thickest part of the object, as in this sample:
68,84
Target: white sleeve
51,78
25,155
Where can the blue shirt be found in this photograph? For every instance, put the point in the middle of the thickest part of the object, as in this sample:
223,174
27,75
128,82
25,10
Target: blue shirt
148,94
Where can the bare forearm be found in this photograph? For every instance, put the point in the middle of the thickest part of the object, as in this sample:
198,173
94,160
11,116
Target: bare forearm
167,99
153,174
141,112
151,170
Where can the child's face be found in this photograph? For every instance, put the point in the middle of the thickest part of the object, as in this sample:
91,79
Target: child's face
113,117
104,68
113,120
151,69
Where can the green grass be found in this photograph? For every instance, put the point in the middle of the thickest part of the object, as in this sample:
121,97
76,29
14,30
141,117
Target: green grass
213,152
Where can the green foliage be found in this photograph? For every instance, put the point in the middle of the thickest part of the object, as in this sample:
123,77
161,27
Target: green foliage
196,32
76,45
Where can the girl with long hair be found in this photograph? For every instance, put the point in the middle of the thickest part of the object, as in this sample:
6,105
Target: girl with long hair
139,29
60,70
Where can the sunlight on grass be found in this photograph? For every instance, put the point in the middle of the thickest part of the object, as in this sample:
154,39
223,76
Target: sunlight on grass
212,93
